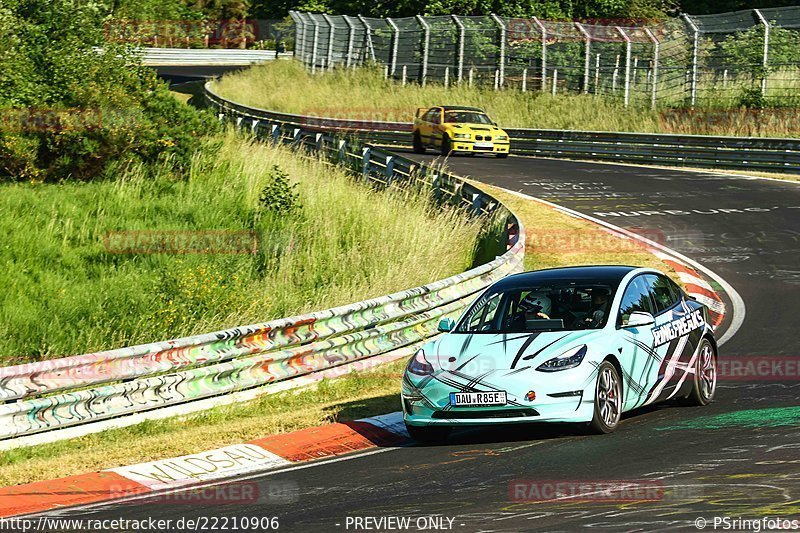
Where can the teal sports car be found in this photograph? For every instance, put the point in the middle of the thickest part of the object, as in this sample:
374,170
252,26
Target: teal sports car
576,344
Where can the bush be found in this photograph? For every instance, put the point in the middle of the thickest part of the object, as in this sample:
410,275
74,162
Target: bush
279,195
71,111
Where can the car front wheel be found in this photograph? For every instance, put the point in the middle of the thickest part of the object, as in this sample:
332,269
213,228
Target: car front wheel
428,434
447,146
419,148
607,399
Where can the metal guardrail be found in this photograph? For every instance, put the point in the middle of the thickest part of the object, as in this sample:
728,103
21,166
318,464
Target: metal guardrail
187,57
74,390
702,151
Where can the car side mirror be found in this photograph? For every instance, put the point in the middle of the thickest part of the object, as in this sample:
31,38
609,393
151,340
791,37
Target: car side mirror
639,319
446,324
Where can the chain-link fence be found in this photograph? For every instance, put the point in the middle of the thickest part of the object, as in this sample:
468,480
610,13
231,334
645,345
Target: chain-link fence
747,58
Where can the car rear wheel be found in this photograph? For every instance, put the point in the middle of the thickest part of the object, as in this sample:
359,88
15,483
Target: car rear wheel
447,146
428,433
419,148
705,375
607,399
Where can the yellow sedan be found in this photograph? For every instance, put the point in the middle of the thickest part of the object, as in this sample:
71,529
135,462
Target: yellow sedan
453,129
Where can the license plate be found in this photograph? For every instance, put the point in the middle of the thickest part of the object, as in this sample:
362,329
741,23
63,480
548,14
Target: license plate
483,145
477,398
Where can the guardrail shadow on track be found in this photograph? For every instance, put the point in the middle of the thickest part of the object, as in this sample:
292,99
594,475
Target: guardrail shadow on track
75,390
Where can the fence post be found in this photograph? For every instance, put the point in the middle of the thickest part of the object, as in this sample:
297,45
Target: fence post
329,59
695,46
426,42
627,91
587,58
765,22
314,48
555,80
367,37
405,74
395,44
461,37
446,77
471,75
524,80
597,75
654,79
544,52
298,32
351,37
502,27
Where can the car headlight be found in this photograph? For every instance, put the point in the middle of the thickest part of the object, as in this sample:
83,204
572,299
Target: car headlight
569,359
502,137
461,136
418,365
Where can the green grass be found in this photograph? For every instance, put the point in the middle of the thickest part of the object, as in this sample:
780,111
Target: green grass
364,93
64,293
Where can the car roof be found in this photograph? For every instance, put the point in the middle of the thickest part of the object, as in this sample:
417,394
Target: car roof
460,108
605,274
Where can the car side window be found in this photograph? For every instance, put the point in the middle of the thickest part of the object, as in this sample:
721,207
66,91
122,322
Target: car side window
484,315
635,298
435,115
664,292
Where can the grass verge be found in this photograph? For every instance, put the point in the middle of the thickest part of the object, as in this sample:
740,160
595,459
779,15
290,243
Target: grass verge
365,94
347,398
71,285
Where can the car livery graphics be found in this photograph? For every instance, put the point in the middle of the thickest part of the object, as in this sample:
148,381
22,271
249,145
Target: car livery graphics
654,343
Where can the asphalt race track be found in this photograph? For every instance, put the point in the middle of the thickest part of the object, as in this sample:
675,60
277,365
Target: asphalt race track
721,460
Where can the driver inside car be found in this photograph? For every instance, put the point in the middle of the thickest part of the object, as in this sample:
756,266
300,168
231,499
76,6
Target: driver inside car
534,306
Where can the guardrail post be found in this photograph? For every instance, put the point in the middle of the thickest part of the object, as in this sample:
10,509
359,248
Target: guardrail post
587,60
318,142
254,126
342,150
461,38
426,42
502,27
297,135
314,47
524,79
221,117
544,52
627,90
367,38
654,78
351,37
695,46
477,202
276,133
389,172
329,58
239,122
366,152
395,44
765,60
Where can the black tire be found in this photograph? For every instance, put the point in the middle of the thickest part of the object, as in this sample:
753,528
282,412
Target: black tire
704,385
419,148
447,146
607,399
501,156
428,434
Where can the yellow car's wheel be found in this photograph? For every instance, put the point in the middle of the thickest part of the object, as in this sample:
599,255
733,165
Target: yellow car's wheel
447,146
502,156
419,148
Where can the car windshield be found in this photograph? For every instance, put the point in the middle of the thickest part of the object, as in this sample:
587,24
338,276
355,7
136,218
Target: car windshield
555,306
466,117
